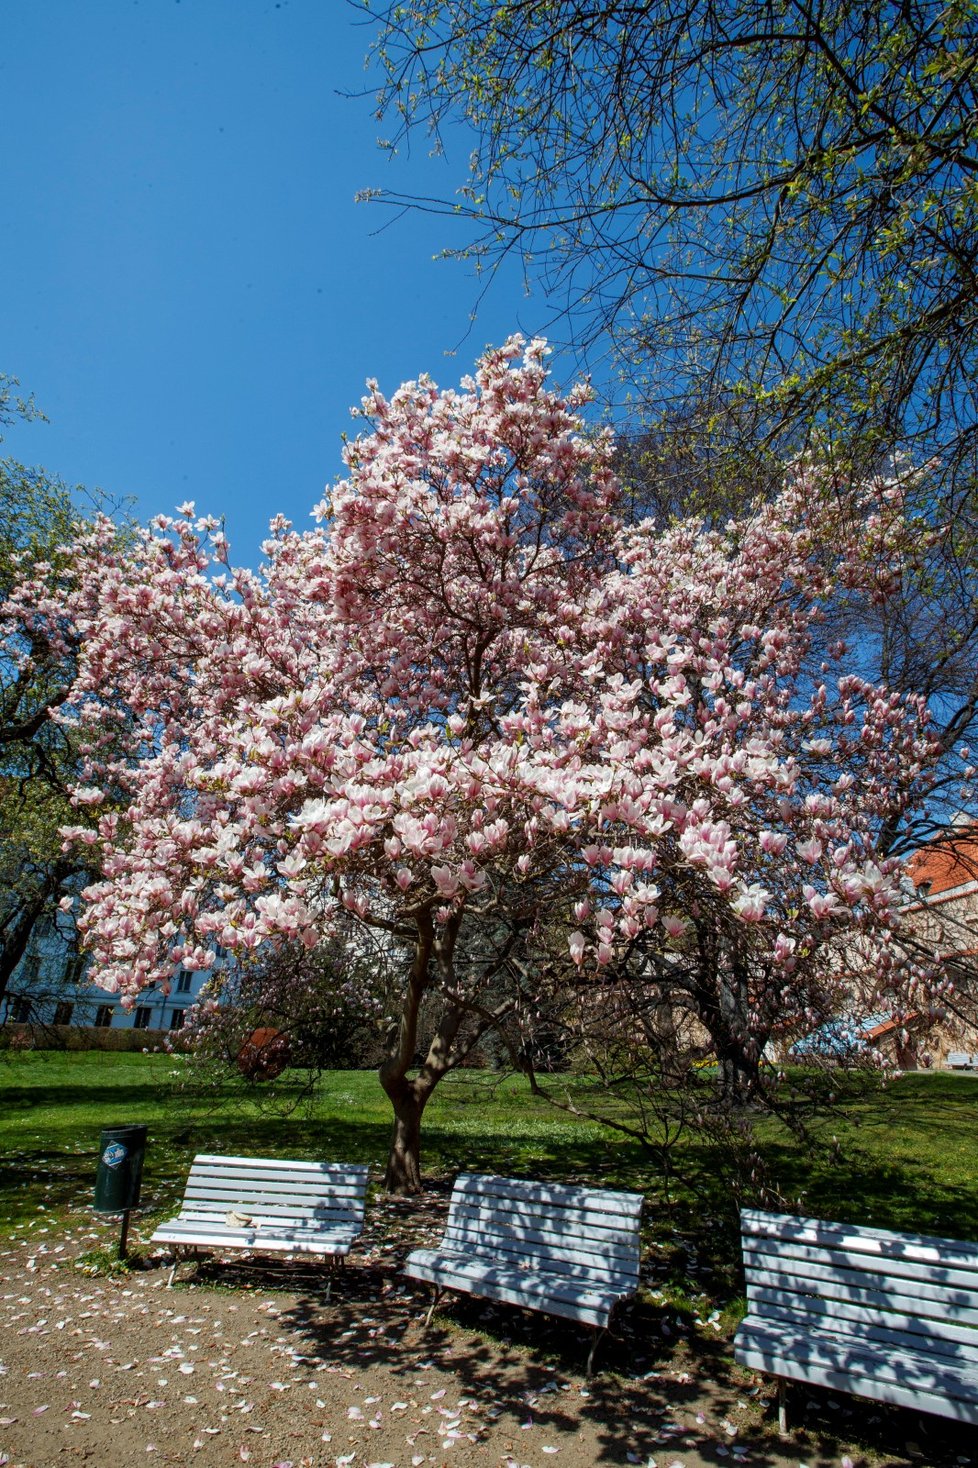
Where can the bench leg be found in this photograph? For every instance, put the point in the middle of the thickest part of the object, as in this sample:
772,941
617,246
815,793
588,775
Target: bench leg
179,1254
782,1407
600,1332
436,1294
335,1260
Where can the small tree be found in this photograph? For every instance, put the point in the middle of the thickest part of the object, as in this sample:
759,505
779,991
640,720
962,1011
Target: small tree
524,748
289,1007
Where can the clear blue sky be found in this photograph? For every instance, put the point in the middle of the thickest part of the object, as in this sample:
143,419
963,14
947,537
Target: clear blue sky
189,288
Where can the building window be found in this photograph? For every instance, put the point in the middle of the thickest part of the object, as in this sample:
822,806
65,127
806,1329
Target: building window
103,1016
20,1011
176,1019
32,968
63,1013
183,984
75,969
141,1017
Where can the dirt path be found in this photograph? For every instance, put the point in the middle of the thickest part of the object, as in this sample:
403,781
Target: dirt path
256,1366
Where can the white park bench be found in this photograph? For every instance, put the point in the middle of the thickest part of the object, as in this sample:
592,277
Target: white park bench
960,1060
264,1205
889,1316
567,1251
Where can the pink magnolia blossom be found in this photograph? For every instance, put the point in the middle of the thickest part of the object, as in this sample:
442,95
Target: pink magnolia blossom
750,904
473,690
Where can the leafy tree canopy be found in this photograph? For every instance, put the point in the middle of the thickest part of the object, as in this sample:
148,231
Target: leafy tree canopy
778,201
40,518
773,214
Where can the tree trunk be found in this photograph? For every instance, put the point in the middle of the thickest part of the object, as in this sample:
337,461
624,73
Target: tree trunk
20,923
738,1077
403,1174
446,1050
738,1055
15,942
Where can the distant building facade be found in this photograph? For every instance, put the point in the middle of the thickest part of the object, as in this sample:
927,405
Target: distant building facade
940,914
51,986
943,911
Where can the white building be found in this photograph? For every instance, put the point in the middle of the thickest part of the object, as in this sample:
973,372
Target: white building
50,986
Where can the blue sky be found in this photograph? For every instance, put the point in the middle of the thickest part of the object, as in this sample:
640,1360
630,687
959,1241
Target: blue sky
189,288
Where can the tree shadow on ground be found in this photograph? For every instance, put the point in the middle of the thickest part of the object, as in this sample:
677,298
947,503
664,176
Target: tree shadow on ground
870,1187
655,1376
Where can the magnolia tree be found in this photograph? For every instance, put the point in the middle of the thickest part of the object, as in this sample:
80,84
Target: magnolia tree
527,750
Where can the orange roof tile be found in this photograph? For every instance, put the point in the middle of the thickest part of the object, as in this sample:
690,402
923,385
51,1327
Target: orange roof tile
947,863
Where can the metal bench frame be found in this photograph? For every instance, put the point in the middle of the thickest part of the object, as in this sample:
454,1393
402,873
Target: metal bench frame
566,1251
263,1205
888,1316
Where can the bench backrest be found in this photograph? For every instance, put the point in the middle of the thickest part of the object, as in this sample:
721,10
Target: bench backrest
864,1282
586,1233
274,1190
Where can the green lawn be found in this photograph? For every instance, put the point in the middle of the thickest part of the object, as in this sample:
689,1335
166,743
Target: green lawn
53,1106
904,1158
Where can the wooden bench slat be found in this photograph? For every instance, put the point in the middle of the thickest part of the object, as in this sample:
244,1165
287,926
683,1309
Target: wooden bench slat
306,1182
215,1187
530,1246
568,1251
294,1165
934,1373
902,1382
275,1194
540,1231
529,1281
510,1286
260,1243
859,1239
551,1195
300,1188
282,1195
889,1316
280,1218
332,1174
265,1226
910,1271
938,1336
292,1207
560,1220
862,1289
549,1258
282,1204
599,1226
546,1258
213,1228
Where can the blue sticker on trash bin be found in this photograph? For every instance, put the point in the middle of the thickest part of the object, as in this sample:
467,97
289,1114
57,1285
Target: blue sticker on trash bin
114,1154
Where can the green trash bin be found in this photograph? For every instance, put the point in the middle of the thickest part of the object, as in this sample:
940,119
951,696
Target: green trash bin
120,1168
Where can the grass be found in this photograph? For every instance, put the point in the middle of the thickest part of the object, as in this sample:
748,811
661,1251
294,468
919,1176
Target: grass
906,1157
53,1107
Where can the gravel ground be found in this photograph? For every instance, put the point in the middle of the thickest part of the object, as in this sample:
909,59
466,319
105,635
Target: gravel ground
252,1364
